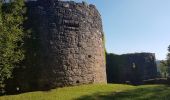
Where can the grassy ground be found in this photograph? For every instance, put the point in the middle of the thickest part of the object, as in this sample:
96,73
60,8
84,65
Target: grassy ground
98,92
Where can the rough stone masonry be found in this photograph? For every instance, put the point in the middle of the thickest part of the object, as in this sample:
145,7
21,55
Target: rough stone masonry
71,47
133,68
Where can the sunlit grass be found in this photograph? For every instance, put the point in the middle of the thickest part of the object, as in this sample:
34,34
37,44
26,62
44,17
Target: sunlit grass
98,92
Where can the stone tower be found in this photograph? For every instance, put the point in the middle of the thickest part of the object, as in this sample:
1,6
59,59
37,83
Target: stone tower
71,46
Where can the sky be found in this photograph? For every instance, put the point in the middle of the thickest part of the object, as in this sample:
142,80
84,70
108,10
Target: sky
135,25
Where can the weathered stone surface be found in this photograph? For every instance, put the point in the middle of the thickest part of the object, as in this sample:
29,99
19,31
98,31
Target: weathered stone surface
133,68
70,44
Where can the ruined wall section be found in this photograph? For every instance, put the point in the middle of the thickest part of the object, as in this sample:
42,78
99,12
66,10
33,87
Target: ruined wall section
133,68
72,46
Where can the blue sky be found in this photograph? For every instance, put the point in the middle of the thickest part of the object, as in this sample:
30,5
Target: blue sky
135,25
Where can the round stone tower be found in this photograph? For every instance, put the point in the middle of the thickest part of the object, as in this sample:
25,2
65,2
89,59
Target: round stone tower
71,43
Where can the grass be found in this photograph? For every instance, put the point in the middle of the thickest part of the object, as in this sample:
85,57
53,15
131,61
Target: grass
98,92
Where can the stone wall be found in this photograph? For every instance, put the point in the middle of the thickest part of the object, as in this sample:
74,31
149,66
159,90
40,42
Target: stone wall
69,48
132,68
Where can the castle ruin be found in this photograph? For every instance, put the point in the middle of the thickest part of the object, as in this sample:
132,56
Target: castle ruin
70,47
131,68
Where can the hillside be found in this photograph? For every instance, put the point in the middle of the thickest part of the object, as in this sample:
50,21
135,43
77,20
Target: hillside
98,92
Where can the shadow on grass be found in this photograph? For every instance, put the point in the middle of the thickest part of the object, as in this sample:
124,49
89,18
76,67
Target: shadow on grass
23,92
141,93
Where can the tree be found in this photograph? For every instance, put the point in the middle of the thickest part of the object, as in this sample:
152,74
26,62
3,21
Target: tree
168,60
11,35
164,68
1,39
0,14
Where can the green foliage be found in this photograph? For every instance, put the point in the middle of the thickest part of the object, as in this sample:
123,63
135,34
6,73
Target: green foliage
104,43
0,14
168,60
11,35
164,68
